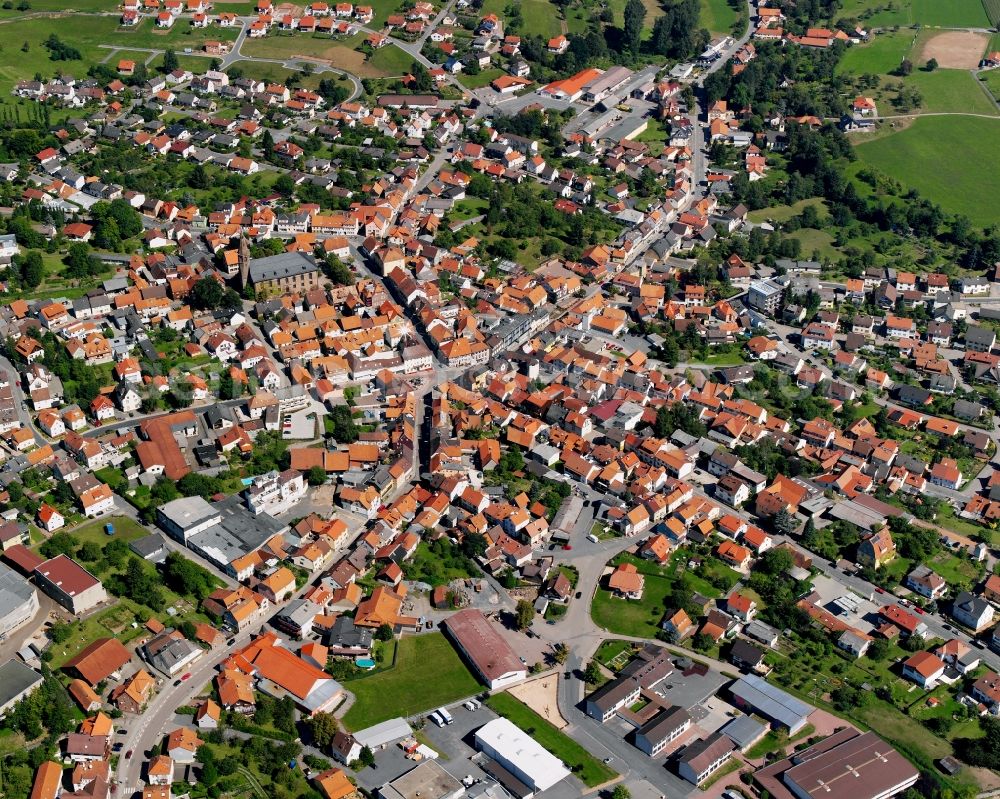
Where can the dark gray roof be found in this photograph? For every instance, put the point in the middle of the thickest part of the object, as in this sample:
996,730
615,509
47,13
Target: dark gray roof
286,264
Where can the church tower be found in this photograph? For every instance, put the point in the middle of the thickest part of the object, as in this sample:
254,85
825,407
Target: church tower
243,261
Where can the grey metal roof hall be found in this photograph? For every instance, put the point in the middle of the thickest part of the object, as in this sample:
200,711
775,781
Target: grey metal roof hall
770,701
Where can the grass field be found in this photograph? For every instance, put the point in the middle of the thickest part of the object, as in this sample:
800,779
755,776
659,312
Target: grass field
782,213
404,689
480,80
914,156
86,33
879,56
275,73
815,241
991,80
950,14
717,15
340,53
950,90
591,771
392,61
888,13
540,16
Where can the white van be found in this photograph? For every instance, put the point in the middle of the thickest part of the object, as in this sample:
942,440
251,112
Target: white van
593,538
436,718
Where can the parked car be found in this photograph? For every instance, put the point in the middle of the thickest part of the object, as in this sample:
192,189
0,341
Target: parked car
128,754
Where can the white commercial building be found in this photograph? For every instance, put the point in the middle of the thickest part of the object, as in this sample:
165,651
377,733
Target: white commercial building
520,754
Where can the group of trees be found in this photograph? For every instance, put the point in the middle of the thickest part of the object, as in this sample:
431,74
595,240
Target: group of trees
188,578
342,427
114,223
60,51
208,293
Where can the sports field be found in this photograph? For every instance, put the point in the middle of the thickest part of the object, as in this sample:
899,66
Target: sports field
949,160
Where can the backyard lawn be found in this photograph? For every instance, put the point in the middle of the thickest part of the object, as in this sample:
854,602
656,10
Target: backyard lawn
404,689
591,771
126,529
638,617
114,622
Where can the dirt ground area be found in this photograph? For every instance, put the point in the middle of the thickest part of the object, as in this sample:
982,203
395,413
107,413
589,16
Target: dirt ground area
288,8
540,695
955,49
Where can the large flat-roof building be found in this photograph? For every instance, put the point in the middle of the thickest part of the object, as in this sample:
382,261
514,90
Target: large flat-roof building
69,584
221,532
488,652
427,781
16,682
18,600
520,754
847,765
752,693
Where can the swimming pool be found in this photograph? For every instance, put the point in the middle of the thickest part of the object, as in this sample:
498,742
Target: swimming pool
364,663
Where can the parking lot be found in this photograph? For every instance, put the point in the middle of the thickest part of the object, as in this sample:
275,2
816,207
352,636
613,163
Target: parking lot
458,755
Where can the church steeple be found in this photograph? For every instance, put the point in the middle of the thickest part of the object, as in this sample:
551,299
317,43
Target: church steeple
243,260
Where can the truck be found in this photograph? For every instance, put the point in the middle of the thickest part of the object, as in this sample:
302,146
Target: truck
436,718
444,714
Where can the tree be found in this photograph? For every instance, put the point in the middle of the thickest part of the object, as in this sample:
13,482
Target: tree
905,67
367,757
344,430
187,577
932,64
621,792
316,476
560,652
206,294
592,674
635,14
524,614
32,269
90,551
170,62
384,632
323,727
784,522
776,562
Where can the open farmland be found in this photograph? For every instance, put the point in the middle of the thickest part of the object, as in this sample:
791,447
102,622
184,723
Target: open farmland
913,156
